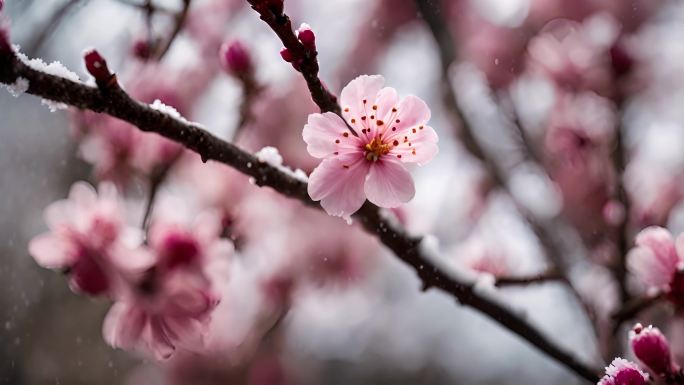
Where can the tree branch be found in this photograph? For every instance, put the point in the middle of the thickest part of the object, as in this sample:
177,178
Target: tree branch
112,100
547,276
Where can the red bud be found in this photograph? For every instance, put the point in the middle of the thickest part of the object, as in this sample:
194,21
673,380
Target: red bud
651,347
97,66
286,55
307,37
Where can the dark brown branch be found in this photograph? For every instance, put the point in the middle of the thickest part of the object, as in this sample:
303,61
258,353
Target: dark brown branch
113,101
280,23
548,276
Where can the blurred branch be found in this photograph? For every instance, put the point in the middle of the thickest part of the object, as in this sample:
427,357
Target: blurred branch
431,11
177,27
110,99
157,178
51,26
633,307
271,11
547,276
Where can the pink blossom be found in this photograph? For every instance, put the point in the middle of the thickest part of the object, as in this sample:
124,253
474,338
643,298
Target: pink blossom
623,372
87,238
368,162
655,258
171,305
169,311
652,348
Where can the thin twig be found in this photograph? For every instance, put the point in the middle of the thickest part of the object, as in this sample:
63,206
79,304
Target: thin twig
51,26
177,27
115,102
547,276
633,307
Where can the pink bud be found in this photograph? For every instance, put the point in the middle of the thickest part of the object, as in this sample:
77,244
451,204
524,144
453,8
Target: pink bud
652,348
307,37
286,55
621,60
142,49
623,372
235,58
97,66
5,46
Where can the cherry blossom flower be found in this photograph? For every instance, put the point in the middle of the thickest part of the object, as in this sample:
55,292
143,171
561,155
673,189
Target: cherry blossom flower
366,159
88,239
170,311
656,259
170,306
623,372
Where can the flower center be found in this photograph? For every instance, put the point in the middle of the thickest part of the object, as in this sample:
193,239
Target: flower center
375,149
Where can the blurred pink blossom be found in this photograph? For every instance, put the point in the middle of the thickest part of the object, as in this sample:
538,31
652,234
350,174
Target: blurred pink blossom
368,162
623,372
88,239
656,258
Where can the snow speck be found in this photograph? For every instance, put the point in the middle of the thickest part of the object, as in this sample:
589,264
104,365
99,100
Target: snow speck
168,110
271,156
53,106
20,86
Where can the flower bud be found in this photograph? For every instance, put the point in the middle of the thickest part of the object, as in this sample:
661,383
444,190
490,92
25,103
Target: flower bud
623,372
235,58
142,49
5,46
286,55
97,66
307,37
651,347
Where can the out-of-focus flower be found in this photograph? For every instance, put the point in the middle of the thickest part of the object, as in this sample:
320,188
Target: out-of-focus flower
170,306
623,372
652,348
368,162
655,259
574,55
235,58
169,311
87,239
578,145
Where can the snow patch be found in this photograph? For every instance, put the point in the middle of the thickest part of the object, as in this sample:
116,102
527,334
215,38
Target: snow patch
53,106
271,156
55,68
20,86
168,110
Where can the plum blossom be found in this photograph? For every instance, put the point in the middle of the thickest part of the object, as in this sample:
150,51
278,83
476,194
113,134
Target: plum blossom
88,239
364,157
171,305
656,260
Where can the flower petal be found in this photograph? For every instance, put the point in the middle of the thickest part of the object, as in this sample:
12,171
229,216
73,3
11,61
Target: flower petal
123,325
324,135
660,242
412,112
362,88
389,184
51,251
647,268
418,145
338,184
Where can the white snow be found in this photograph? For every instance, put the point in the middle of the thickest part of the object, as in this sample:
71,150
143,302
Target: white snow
55,68
20,86
271,156
53,106
168,110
